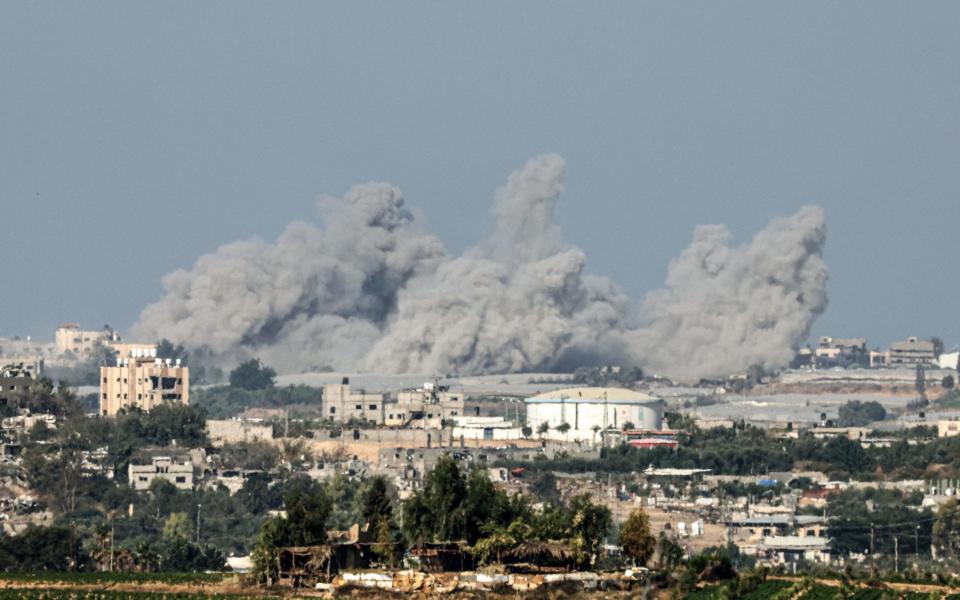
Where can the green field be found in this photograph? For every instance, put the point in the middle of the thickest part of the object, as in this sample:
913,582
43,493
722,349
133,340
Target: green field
105,578
67,594
771,589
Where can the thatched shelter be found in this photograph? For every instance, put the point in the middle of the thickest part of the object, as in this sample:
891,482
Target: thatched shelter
438,557
537,556
299,566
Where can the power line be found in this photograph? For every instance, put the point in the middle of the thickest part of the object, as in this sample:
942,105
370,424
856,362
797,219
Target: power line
902,523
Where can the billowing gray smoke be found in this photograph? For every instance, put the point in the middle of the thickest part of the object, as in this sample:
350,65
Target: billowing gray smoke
724,309
370,291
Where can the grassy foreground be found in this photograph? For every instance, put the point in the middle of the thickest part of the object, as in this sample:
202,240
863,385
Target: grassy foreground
805,590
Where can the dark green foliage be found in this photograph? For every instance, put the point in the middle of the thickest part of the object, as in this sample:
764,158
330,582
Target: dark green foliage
308,508
180,555
606,377
260,456
43,549
185,424
454,506
748,450
44,398
223,402
375,504
252,375
857,414
894,515
257,495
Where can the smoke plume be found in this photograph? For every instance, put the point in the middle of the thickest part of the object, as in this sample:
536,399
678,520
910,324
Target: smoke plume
724,309
368,290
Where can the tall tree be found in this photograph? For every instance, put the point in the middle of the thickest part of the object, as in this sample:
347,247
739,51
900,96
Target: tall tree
589,526
946,529
635,537
937,346
252,375
376,504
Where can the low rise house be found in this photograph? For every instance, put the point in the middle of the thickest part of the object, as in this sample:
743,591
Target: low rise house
832,352
851,433
783,550
180,474
948,427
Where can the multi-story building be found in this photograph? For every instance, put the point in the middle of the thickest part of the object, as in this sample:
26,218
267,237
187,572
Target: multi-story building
71,339
180,474
144,382
15,380
911,352
426,406
341,403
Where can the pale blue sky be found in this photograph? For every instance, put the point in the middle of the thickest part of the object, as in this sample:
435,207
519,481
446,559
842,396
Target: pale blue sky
136,136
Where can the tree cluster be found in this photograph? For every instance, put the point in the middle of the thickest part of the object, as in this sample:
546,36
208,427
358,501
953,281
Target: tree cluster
466,507
857,414
748,450
252,375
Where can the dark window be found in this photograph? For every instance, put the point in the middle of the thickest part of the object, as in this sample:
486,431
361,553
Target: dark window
373,407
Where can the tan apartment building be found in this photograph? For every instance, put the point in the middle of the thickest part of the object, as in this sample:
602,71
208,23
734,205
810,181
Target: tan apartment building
911,352
341,403
70,338
144,382
426,406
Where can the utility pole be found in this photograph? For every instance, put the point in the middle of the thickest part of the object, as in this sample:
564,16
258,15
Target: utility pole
199,506
916,541
871,539
111,544
896,554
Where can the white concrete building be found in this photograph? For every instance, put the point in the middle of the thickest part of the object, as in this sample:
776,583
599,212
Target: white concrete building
949,360
588,410
161,467
472,429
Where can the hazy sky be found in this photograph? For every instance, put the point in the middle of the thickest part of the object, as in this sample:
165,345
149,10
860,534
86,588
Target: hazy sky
136,136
